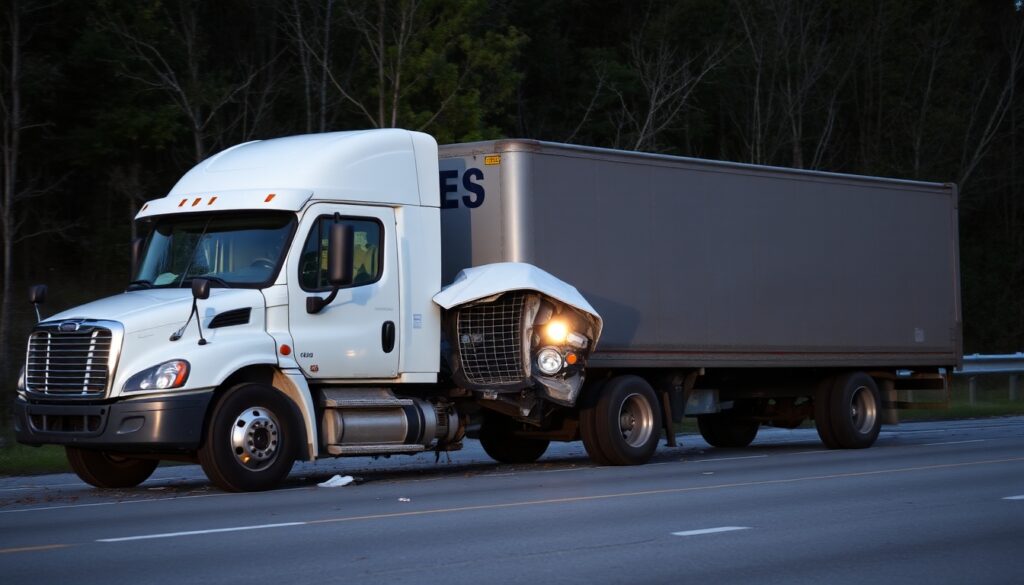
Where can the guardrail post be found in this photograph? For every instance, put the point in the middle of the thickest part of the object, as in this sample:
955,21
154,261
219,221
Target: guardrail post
1014,386
972,390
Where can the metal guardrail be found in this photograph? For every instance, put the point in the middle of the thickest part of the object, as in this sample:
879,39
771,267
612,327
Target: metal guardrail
976,364
980,365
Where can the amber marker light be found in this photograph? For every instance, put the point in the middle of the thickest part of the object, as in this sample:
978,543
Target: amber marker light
571,359
270,198
286,349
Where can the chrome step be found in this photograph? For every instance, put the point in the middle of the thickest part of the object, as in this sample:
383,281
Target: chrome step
363,398
373,449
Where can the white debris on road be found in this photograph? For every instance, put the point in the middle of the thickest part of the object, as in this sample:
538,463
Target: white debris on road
336,481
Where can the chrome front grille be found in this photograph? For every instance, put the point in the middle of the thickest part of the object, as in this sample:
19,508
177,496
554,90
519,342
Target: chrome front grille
70,360
490,341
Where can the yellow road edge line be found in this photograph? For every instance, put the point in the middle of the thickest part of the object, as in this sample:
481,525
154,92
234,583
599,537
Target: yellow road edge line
4,551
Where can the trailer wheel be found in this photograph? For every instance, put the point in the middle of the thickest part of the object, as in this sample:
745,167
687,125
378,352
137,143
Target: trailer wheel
497,437
726,430
588,425
109,470
250,442
823,412
855,406
628,420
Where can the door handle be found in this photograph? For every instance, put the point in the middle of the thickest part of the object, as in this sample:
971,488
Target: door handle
387,336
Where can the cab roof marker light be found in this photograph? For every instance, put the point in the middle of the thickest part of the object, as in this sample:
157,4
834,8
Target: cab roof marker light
182,204
196,202
270,197
212,199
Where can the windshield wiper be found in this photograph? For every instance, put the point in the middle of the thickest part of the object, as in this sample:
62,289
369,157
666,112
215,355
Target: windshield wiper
139,284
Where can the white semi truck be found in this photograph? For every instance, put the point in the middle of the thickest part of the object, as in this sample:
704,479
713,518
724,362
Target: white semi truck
367,293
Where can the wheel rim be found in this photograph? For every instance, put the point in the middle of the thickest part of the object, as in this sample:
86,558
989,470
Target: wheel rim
863,410
636,420
255,438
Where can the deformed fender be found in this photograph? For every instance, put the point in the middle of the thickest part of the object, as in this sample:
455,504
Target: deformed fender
481,282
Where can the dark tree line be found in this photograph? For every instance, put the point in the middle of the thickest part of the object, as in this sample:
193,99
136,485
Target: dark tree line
104,104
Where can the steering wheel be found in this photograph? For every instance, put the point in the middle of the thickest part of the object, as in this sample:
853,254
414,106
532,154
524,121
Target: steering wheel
262,263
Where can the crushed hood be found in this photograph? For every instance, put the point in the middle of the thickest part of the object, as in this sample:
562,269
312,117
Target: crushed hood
481,282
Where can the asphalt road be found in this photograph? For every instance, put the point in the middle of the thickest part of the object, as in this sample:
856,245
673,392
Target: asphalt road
935,502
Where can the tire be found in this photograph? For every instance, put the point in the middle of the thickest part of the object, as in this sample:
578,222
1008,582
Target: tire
497,437
251,439
588,425
855,408
823,413
727,431
109,470
628,420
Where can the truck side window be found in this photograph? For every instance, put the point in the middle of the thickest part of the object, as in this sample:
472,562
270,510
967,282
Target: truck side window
367,255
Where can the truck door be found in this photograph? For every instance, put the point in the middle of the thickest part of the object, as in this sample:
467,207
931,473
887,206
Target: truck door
354,336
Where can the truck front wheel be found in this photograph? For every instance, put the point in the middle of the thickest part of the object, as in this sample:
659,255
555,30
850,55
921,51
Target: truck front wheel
627,420
726,430
498,438
109,470
251,441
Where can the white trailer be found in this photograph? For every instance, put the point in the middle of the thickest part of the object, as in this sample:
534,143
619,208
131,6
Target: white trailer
289,303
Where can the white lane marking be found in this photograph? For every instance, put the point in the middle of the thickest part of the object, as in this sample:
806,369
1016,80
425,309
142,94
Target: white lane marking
1014,498
565,469
198,532
953,443
710,530
727,458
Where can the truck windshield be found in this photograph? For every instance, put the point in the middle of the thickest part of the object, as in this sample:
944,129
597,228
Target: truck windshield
238,250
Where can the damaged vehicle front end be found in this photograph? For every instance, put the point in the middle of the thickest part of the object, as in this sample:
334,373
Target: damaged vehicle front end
518,340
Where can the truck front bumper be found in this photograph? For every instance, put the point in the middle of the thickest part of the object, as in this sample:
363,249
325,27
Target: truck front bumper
151,425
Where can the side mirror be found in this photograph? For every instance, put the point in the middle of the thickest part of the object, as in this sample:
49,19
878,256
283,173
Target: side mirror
200,288
340,244
137,244
339,255
37,296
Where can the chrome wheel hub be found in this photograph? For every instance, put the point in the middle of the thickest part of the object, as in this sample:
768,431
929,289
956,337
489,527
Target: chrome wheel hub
255,438
863,410
636,420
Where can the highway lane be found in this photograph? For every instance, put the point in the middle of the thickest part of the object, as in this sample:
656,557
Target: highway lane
928,502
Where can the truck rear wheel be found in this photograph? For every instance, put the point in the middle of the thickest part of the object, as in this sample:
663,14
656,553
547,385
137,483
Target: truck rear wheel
251,439
109,470
726,430
588,426
627,420
847,414
497,437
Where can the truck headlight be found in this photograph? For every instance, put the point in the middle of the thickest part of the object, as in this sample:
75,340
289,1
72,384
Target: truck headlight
172,374
549,360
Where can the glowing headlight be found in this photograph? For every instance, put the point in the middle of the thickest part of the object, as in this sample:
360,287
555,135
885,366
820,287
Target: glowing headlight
172,374
556,331
549,360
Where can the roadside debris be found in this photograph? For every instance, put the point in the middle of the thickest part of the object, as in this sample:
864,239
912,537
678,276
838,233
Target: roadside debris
337,481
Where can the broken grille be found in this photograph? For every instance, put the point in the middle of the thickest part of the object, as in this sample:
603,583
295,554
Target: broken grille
490,341
69,362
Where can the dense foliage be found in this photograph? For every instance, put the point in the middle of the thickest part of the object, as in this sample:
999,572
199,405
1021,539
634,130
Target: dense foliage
105,103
